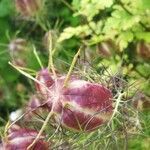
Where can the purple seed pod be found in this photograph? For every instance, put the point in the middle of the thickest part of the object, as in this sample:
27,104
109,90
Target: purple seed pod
18,44
20,138
18,51
84,106
28,8
106,48
44,77
34,102
46,39
143,49
36,106
81,106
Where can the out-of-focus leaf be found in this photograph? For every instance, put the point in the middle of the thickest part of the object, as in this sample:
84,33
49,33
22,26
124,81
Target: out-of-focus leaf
79,31
75,4
90,8
123,39
144,69
6,7
143,36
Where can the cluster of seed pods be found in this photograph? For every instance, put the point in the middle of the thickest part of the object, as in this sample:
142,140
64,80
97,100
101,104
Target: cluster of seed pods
79,106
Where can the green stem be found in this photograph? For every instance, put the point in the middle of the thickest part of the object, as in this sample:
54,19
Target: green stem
37,57
118,100
50,62
68,5
41,130
39,21
71,67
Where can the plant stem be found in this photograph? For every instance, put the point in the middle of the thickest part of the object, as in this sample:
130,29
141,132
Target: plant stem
68,5
39,21
50,62
118,100
29,76
41,130
37,57
71,67
5,131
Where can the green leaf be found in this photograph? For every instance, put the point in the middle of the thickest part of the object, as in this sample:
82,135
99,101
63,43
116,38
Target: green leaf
119,21
75,4
123,39
79,31
144,69
90,8
145,4
66,34
126,20
6,8
143,36
137,6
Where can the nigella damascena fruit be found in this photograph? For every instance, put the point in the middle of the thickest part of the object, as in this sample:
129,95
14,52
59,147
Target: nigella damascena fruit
50,35
17,44
36,107
28,8
81,106
18,49
106,48
20,138
143,50
85,106
44,77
